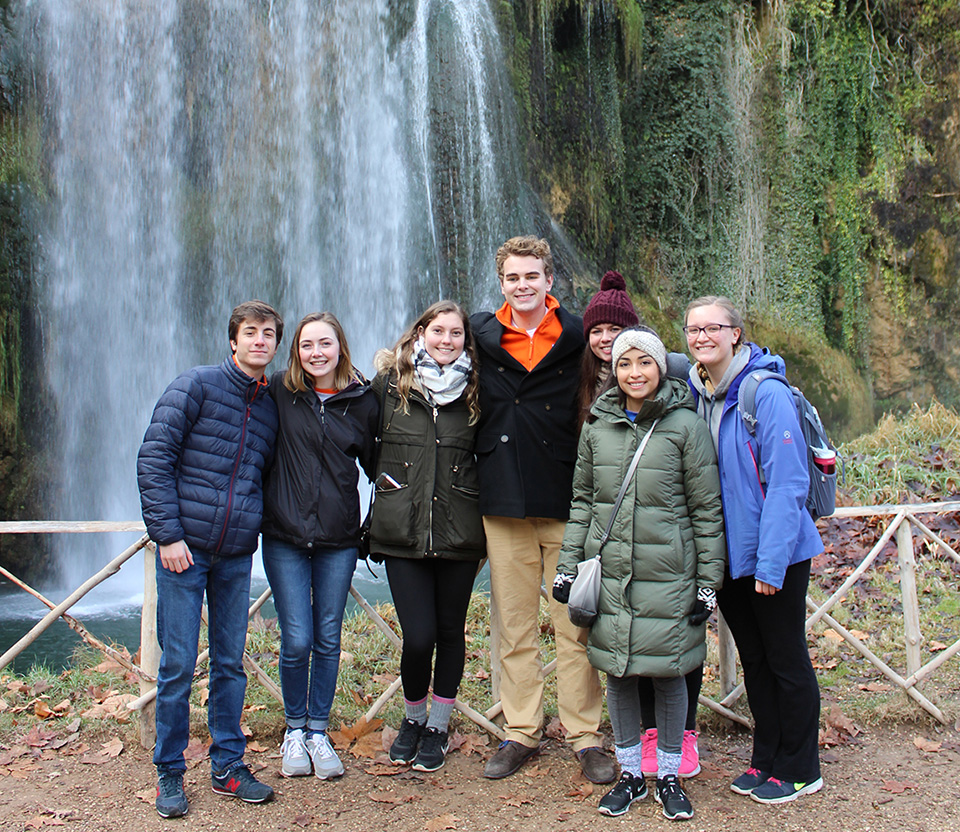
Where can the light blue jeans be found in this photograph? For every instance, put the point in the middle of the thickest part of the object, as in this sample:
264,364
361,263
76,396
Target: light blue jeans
226,582
310,593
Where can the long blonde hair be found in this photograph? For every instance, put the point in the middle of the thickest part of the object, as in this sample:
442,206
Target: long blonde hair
295,379
399,360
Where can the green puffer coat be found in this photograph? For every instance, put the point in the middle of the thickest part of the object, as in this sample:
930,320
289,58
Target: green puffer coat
429,452
667,539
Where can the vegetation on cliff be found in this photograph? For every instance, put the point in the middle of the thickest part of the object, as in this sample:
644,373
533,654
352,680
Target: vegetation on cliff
800,156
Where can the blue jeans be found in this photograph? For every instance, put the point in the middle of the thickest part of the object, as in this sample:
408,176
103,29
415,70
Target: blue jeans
310,592
226,582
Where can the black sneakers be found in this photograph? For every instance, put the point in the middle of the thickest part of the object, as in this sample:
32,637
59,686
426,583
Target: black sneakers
240,782
404,748
433,749
171,799
671,796
629,790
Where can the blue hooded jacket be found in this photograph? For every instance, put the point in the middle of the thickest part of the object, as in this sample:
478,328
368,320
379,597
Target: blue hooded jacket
767,525
200,467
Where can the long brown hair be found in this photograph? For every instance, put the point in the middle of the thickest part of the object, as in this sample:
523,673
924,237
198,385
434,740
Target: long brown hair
295,379
399,360
590,367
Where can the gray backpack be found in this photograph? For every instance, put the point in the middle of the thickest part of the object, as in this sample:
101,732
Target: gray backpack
822,457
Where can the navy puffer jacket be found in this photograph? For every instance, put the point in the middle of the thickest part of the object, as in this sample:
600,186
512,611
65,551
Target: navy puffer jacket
200,467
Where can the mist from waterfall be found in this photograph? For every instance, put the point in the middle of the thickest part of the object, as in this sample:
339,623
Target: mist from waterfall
358,156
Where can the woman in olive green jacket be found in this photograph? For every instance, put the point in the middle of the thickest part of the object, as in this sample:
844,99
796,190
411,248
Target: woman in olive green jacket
662,562
426,518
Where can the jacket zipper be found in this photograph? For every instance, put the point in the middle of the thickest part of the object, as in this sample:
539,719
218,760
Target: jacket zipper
432,496
233,476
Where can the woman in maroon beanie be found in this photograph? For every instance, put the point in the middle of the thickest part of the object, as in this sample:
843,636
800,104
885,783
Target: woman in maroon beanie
609,312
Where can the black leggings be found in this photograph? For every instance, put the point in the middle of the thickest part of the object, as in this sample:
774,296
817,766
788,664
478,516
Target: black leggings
431,598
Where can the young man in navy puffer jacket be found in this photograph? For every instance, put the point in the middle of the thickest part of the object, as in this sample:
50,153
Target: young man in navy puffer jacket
200,473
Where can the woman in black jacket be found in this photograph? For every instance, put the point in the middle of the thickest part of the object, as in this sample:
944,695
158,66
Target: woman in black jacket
426,518
328,421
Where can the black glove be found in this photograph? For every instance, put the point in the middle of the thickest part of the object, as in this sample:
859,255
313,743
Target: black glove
561,588
706,603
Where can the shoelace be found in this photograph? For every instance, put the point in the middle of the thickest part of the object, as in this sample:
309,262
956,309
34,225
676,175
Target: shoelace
671,786
292,743
322,745
170,786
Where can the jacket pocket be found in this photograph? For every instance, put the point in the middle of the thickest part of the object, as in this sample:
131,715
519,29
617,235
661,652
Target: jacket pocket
393,521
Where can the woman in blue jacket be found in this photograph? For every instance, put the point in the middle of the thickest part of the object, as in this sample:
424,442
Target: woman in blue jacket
311,521
770,541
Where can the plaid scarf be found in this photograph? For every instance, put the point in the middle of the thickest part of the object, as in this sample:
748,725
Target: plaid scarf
440,384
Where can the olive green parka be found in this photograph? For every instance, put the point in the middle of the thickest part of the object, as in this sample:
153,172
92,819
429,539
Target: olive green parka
666,541
433,510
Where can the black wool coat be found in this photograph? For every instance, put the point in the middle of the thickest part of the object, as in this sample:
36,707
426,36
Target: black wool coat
527,437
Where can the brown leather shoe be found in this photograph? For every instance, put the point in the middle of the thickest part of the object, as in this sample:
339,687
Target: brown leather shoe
508,759
596,766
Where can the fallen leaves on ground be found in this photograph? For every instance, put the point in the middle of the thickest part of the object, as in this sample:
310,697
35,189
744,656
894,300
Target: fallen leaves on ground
348,734
111,705
385,769
515,800
928,746
839,728
444,821
581,792
471,744
897,786
196,750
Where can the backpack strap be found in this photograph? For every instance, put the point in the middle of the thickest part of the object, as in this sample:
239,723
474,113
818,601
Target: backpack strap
747,396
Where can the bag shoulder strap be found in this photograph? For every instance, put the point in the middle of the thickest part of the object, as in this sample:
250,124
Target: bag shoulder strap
623,486
747,396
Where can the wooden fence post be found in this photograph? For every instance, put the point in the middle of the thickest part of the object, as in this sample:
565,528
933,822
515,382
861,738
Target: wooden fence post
728,657
149,646
908,594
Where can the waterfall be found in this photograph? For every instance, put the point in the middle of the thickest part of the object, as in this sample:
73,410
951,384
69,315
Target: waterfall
358,156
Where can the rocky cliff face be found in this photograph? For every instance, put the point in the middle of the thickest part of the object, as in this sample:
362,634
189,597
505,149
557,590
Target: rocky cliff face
801,157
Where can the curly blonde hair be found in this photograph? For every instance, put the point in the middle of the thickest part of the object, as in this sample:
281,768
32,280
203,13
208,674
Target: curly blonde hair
399,360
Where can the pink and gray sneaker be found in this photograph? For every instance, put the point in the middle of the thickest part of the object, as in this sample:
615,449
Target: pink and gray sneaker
690,761
648,753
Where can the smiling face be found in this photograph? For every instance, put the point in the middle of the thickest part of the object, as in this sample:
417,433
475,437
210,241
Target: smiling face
444,337
714,352
319,353
601,338
638,376
255,346
525,285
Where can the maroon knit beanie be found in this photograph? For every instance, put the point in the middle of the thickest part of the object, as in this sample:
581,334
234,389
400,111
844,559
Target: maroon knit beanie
611,305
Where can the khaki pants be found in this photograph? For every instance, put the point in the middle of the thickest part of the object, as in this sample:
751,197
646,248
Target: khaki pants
523,553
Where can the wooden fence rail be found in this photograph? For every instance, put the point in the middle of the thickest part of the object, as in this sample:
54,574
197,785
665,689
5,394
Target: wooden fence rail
904,520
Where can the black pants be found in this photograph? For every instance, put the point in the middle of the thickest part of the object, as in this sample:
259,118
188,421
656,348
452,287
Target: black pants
781,684
648,712
431,597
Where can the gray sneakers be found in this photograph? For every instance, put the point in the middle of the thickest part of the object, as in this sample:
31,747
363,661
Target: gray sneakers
326,763
296,759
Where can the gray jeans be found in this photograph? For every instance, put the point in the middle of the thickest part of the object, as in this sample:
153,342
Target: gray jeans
623,705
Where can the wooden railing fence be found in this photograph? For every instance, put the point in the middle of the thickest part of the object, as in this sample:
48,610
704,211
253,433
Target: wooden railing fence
903,521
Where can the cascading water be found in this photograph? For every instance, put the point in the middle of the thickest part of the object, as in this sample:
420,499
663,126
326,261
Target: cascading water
357,155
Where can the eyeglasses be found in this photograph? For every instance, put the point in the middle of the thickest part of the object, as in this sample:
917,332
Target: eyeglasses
712,330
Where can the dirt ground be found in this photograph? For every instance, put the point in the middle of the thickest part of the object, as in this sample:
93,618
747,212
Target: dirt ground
886,779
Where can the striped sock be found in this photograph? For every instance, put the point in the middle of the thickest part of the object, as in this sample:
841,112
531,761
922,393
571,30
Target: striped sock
440,710
416,711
